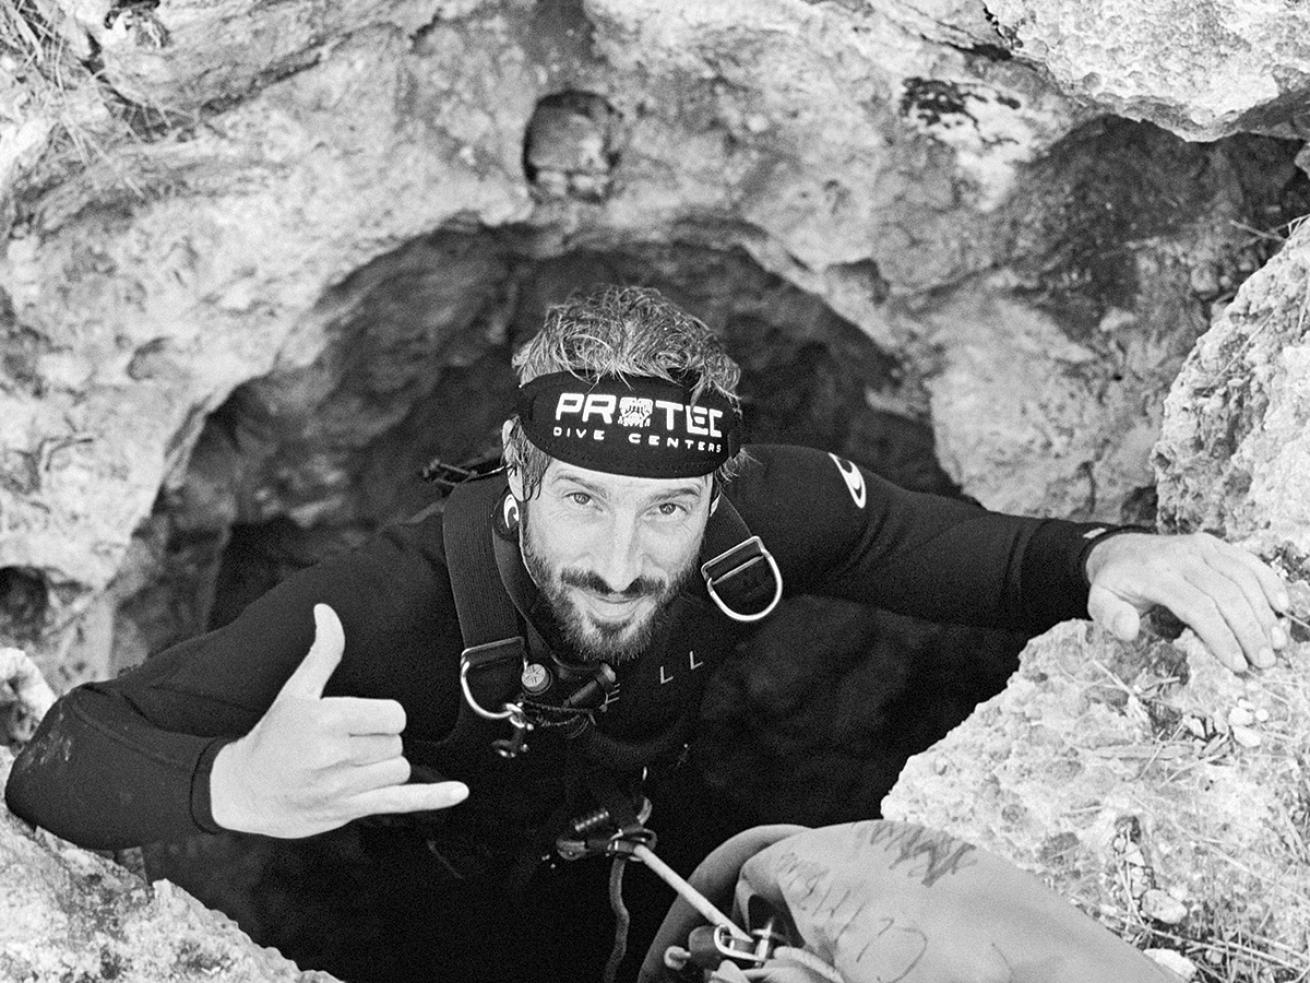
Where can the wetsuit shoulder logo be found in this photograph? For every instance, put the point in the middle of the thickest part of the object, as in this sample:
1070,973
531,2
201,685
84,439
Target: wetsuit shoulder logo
850,474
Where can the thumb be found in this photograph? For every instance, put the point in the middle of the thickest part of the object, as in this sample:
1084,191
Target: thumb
1114,614
322,659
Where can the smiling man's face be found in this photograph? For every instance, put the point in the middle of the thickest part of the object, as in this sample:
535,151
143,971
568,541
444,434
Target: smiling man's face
610,552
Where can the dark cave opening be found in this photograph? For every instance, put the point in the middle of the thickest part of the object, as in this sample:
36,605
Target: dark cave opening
24,603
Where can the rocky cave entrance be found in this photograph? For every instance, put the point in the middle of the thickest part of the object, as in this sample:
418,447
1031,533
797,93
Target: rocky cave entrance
1105,257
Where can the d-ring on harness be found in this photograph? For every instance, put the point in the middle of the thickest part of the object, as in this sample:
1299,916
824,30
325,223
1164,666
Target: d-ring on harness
743,579
743,561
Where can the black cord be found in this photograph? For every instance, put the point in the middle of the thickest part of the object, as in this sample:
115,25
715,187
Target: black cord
621,920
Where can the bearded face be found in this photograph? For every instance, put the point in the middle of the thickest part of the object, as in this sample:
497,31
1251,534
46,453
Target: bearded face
610,553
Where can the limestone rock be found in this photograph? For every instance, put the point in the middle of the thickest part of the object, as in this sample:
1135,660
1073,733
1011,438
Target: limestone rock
1202,68
1234,451
67,913
127,326
1083,772
25,697
179,55
1155,789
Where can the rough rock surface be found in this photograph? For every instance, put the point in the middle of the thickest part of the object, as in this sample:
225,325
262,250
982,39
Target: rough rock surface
1202,68
68,914
1150,786
1234,453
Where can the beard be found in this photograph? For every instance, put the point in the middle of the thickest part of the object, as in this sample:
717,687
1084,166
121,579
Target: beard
600,641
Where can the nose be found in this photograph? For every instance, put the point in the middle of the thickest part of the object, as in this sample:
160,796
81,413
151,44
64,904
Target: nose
619,556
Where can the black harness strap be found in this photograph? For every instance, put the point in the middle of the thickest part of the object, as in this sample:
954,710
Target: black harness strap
741,576
494,654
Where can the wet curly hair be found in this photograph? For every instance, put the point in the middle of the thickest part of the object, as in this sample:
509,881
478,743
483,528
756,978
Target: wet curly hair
621,331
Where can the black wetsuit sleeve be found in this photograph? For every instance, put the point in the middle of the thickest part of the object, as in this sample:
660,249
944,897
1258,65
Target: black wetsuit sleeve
841,531
127,761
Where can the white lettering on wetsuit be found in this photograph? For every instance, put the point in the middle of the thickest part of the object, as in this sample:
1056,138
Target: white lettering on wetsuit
850,474
666,677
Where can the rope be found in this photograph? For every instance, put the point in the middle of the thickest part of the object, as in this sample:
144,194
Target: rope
621,920
689,894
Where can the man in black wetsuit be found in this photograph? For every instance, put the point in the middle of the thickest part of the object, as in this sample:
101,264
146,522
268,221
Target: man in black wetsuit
627,545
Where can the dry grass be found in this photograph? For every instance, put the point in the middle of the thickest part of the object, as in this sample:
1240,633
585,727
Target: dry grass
53,82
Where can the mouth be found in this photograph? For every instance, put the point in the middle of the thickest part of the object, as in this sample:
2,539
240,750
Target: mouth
612,609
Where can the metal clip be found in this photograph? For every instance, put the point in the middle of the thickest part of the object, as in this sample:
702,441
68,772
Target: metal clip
757,952
517,742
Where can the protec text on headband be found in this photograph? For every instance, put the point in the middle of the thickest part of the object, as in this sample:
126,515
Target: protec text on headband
640,426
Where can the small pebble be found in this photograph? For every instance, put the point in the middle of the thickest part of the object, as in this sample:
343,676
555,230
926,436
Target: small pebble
1173,961
1244,703
1240,716
1163,907
1262,715
1246,737
1194,727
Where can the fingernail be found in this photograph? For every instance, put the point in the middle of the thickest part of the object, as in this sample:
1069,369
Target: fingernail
1264,658
1278,636
1282,601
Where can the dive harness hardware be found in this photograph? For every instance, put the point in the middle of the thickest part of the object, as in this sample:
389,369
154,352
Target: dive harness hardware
494,655
743,560
711,944
575,713
617,829
598,833
491,655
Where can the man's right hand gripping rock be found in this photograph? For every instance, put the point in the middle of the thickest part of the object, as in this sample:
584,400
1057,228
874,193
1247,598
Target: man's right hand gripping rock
314,763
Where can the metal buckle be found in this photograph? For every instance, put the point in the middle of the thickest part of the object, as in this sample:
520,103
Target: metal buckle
755,952
489,656
733,562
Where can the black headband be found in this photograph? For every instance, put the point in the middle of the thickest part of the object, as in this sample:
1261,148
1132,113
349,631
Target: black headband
637,425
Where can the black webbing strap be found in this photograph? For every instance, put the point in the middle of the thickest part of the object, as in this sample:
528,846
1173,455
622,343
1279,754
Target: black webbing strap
493,651
740,574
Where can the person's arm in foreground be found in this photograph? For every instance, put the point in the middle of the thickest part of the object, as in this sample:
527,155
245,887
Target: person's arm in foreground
842,531
130,760
316,762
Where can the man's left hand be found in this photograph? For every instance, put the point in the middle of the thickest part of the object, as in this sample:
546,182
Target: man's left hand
1223,593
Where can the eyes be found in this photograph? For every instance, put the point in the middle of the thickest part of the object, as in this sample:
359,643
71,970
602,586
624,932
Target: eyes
584,501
